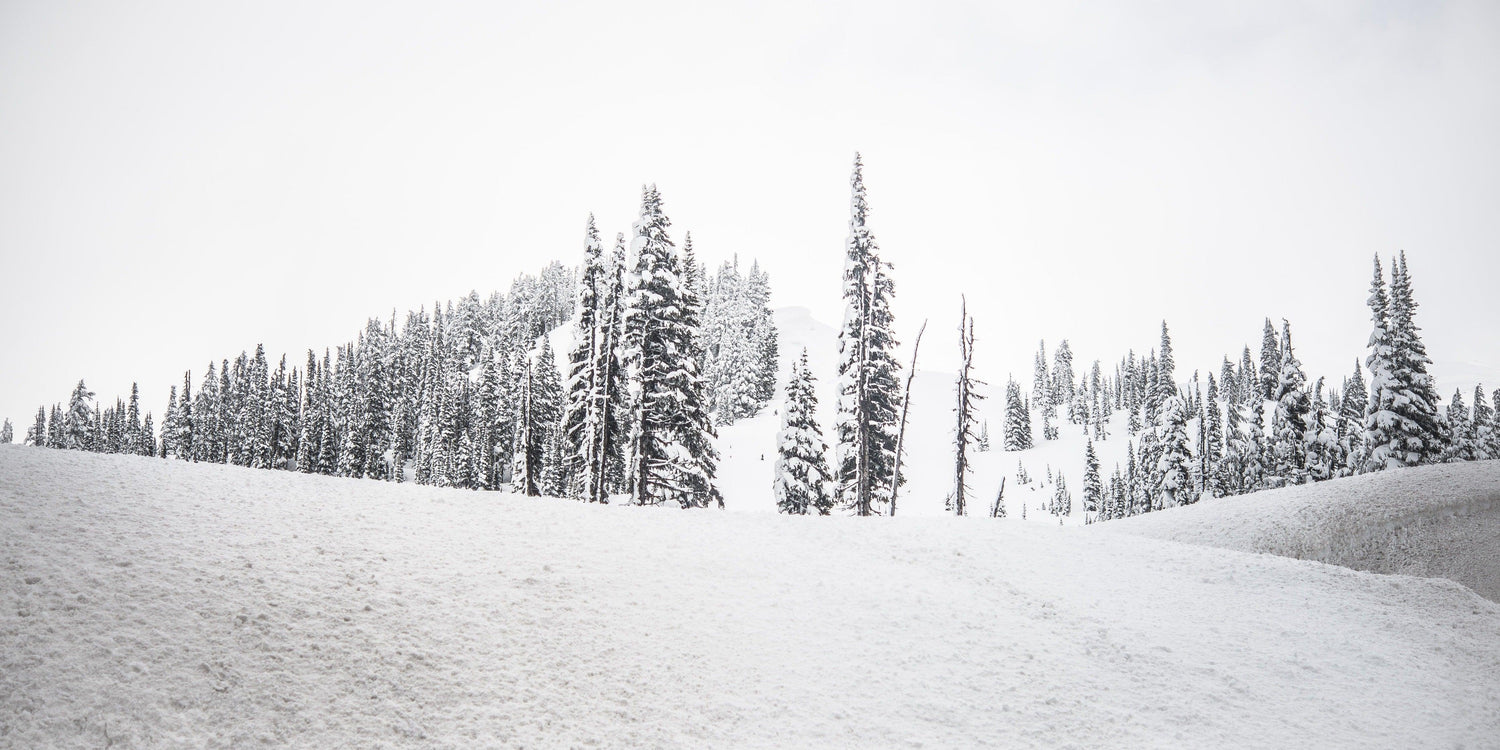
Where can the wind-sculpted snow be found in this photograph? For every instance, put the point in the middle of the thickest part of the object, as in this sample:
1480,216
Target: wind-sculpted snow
150,603
1441,520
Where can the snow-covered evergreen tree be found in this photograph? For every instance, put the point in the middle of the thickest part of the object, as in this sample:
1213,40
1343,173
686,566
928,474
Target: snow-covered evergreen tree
869,390
671,453
7,433
1460,430
1093,489
1211,451
802,474
36,434
1483,426
1017,426
78,432
1291,419
1401,424
1270,362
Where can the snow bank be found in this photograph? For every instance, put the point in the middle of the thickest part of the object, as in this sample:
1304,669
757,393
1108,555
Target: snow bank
149,603
1439,520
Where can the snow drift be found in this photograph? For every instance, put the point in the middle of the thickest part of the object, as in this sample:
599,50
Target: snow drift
1439,520
148,603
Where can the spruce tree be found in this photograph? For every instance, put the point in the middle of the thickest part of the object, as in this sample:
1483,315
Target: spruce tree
1483,425
1270,362
7,433
37,434
78,432
1017,427
1401,425
1351,421
1093,490
1293,409
672,456
1211,451
868,385
802,475
1460,431
581,419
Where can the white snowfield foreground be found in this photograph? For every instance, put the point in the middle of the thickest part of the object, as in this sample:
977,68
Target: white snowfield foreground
148,603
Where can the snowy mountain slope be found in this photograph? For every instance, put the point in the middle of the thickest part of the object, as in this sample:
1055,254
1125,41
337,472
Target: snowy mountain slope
155,603
748,447
1439,520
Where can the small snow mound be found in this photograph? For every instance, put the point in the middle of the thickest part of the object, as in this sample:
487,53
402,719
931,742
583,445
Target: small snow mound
1434,521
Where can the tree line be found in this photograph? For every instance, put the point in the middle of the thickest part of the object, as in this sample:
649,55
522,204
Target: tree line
472,395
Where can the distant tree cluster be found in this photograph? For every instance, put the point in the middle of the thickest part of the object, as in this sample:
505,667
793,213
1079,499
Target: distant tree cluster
1314,432
472,395
739,340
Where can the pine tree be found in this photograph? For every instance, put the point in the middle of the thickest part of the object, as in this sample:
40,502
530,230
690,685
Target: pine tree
1293,408
1401,425
1093,490
77,432
1017,428
581,422
145,443
1270,362
37,434
7,433
802,475
1041,379
1351,421
539,404
965,397
1461,445
868,383
1062,500
1211,450
1483,426
671,453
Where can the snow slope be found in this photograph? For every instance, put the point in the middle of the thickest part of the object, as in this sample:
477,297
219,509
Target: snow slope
148,603
1430,521
748,447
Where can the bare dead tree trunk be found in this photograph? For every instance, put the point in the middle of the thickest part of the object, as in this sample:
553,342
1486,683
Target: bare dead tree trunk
998,509
905,404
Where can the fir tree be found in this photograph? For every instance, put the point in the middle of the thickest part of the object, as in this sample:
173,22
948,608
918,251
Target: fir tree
671,453
1270,362
1293,408
37,434
7,433
581,420
77,432
1211,451
802,475
1017,427
1173,483
1483,425
868,385
1461,445
1351,421
1093,490
1401,426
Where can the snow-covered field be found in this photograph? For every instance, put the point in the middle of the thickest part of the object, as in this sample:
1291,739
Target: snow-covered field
1439,520
147,603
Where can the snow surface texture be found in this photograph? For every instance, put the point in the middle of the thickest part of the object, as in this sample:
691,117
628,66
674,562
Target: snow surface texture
150,603
1439,520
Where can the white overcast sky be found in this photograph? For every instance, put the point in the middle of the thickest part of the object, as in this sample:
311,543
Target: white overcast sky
179,181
